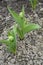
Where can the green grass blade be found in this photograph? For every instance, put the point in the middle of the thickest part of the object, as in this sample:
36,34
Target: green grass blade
16,17
33,3
30,27
4,42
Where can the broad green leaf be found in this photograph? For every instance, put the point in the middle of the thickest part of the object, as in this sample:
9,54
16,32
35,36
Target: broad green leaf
31,26
16,17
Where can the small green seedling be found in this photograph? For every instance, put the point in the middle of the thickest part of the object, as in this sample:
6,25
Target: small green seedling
11,41
22,26
33,3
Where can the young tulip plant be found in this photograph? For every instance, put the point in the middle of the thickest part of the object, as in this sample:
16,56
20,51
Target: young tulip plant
21,29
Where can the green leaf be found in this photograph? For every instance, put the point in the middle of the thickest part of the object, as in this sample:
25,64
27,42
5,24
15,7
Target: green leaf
31,26
12,47
21,33
16,17
22,13
9,33
13,43
4,42
33,3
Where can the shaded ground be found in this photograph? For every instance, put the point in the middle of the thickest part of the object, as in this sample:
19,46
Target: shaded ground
30,50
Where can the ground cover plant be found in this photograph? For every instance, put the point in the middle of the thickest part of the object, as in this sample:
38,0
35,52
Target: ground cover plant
21,28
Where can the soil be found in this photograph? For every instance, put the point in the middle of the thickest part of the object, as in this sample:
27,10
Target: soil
30,49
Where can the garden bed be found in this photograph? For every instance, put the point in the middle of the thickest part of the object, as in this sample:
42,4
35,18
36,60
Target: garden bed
30,49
